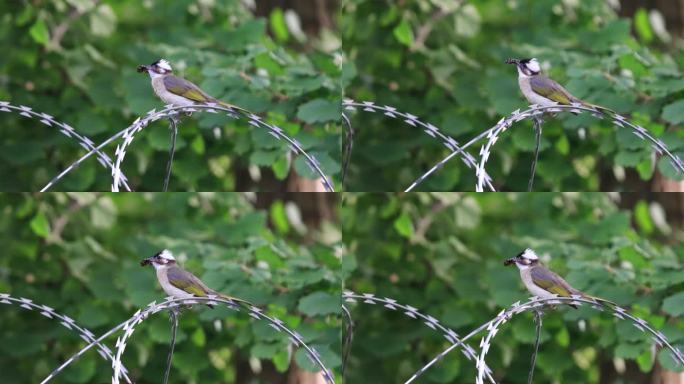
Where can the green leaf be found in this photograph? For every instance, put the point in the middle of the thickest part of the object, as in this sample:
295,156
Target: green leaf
643,217
278,25
319,110
281,167
403,33
674,305
667,168
278,217
674,112
668,362
645,361
39,32
103,21
319,303
642,25
40,225
403,225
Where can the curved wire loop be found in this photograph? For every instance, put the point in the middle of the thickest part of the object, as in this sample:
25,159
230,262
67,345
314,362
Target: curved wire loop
429,321
66,130
535,111
450,143
66,322
255,312
234,113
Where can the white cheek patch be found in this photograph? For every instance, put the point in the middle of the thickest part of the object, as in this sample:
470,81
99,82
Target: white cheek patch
533,65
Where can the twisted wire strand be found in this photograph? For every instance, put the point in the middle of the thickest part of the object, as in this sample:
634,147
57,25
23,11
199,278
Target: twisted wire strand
347,339
450,335
65,321
66,130
254,312
252,119
450,143
347,150
535,111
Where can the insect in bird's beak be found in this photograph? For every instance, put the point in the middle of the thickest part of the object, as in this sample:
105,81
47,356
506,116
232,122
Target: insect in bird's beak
143,68
145,262
512,61
509,261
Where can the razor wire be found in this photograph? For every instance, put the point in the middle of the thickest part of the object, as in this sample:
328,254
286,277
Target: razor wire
534,304
450,143
64,129
66,322
253,311
536,110
450,335
171,111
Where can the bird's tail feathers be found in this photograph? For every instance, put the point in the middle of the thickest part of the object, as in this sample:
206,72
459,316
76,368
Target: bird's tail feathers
232,106
600,108
600,300
226,297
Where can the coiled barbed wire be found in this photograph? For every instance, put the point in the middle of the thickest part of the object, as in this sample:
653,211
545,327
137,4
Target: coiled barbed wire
66,130
431,322
412,120
65,321
254,312
534,304
536,110
620,121
173,111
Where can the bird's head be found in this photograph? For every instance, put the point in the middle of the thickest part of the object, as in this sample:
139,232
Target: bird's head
160,259
524,259
526,67
160,67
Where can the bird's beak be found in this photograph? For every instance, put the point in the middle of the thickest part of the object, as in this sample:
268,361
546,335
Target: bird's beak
145,262
509,261
512,61
143,68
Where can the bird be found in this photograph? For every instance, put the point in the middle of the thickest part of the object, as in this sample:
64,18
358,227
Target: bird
539,89
175,90
544,283
179,283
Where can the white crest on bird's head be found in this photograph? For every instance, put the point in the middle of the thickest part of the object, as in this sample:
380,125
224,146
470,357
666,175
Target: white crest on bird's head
157,69
529,254
163,64
528,67
166,255
526,259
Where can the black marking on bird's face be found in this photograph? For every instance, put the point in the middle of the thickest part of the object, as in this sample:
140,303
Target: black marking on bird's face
157,259
520,259
160,67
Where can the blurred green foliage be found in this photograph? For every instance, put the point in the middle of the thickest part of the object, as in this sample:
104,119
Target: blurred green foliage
443,253
80,254
444,62
76,60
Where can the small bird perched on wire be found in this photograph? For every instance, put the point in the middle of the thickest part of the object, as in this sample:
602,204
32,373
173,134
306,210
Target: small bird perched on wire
544,283
178,282
176,90
539,89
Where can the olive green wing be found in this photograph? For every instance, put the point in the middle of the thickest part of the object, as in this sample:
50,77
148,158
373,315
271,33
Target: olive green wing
552,90
185,88
187,282
552,282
